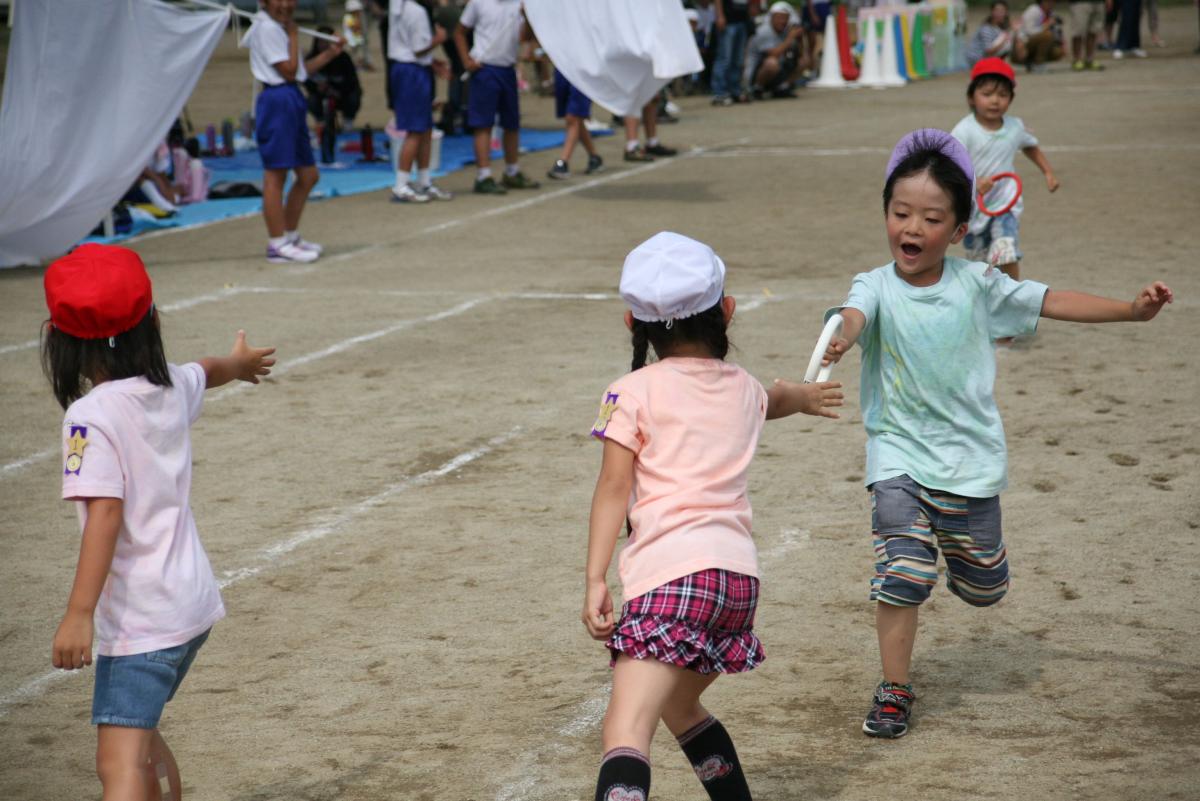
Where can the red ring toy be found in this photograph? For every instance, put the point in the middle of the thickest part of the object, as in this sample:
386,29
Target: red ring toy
984,209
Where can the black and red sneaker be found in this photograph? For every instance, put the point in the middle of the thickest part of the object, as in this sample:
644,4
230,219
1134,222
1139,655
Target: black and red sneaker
889,711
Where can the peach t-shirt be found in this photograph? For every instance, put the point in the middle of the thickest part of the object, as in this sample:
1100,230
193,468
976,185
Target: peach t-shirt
693,425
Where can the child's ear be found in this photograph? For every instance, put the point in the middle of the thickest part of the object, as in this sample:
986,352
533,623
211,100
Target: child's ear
959,233
728,304
629,319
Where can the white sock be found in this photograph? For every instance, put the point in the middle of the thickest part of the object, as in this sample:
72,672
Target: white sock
291,236
631,146
151,191
424,178
484,172
511,169
277,241
652,142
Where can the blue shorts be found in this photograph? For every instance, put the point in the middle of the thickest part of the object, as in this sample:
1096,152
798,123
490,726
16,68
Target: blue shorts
281,128
997,243
494,91
568,99
821,10
132,690
910,523
412,95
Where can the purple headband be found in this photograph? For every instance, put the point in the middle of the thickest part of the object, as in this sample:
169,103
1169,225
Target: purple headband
932,138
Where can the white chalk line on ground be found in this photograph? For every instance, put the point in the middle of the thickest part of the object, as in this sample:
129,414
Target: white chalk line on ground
271,555
740,152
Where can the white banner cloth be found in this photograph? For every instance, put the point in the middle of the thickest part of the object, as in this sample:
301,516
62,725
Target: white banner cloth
91,88
617,52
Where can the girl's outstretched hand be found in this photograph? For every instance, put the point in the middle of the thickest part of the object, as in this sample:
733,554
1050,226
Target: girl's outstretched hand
787,397
598,610
72,647
1150,301
251,362
833,354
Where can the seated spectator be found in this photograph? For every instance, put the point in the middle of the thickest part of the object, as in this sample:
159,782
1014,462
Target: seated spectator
191,176
1041,34
773,55
995,37
337,81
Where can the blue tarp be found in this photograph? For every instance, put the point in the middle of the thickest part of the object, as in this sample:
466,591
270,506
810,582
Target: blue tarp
348,175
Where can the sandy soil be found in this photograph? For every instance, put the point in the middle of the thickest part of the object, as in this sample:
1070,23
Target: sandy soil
401,514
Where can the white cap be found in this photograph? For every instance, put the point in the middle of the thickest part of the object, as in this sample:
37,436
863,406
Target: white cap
669,277
691,14
781,7
354,5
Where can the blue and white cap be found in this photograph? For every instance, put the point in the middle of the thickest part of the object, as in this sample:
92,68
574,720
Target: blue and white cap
671,277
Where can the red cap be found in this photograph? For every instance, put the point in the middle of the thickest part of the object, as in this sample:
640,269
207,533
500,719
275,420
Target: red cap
994,66
97,291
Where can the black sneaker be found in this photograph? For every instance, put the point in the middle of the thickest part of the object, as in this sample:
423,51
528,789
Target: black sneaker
661,150
638,154
595,164
889,711
560,171
488,186
519,181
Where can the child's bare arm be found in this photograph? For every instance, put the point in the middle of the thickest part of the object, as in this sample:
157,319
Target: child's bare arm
1036,155
853,322
318,62
787,398
464,51
288,69
243,362
1080,307
610,502
72,647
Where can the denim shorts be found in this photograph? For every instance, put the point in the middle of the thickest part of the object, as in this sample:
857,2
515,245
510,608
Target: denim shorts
910,523
132,690
997,243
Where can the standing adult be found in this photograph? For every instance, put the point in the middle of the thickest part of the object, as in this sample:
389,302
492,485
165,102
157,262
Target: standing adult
1087,21
1129,33
734,18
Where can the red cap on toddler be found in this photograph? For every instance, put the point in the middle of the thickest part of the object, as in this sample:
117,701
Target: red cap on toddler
97,291
994,66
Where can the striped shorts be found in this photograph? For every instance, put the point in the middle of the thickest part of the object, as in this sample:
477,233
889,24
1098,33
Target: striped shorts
909,523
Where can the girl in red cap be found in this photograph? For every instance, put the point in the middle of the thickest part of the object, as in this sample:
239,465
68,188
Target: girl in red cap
143,587
993,138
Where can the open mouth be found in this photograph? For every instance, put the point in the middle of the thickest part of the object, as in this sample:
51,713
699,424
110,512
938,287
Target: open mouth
912,251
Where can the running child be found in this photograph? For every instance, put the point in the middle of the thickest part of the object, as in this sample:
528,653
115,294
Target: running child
574,107
412,36
993,139
936,455
143,585
281,126
498,26
679,434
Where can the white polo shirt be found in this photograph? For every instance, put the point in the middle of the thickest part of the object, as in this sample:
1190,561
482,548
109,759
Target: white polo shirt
497,26
268,44
408,32
129,439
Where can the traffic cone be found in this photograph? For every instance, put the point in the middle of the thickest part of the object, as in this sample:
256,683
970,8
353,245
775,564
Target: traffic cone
889,56
849,68
831,62
871,73
920,65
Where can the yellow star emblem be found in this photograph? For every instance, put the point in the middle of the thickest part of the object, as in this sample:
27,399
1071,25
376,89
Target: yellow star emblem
606,412
75,444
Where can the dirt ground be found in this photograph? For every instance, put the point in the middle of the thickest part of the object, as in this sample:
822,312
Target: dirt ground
399,516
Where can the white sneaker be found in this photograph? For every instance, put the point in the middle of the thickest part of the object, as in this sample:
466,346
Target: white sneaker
435,192
407,194
1118,54
1139,52
289,253
304,244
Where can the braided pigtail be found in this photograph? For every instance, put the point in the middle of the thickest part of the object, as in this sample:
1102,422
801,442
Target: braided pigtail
641,344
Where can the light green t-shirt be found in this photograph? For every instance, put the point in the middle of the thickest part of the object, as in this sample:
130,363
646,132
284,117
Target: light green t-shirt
928,372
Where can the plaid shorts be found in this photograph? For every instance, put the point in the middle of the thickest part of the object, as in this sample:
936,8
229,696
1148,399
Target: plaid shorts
703,622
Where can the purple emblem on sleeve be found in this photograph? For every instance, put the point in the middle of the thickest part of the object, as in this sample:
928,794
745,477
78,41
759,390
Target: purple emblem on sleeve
606,411
76,442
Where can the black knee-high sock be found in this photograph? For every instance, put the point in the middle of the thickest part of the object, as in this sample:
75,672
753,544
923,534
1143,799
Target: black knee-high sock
624,776
713,757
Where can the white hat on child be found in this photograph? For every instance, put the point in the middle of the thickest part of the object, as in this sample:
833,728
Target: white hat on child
670,276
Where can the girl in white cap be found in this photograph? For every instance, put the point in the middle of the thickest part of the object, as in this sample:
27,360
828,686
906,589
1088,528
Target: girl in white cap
678,437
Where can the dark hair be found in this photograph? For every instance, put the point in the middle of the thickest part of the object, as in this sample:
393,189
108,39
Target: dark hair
192,146
990,79
71,362
706,328
926,156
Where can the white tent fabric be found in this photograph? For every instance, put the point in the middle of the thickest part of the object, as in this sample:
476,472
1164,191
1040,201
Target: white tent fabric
617,52
91,88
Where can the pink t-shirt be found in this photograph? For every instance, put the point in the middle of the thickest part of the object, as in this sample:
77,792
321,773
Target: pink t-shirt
129,439
693,425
